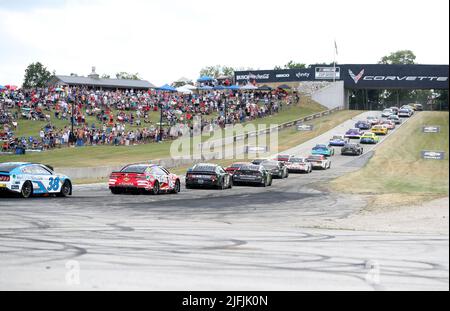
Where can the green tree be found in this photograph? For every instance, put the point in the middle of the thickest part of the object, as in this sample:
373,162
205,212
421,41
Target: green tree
36,75
106,76
217,71
402,57
398,97
128,76
291,65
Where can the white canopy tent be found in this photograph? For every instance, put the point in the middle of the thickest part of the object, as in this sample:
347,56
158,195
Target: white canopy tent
184,90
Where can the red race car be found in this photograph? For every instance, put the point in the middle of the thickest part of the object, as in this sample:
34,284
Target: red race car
146,178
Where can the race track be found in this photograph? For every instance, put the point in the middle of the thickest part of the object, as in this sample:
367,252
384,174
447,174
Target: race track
240,239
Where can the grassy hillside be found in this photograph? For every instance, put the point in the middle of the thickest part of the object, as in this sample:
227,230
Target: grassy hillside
110,155
397,166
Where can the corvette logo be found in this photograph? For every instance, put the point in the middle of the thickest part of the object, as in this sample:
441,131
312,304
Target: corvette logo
356,78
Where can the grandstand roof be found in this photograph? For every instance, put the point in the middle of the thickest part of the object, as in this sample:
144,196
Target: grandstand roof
105,83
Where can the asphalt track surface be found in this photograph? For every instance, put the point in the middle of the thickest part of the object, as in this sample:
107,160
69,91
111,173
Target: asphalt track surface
241,239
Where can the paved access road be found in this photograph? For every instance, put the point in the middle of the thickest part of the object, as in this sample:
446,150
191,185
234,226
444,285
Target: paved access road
240,239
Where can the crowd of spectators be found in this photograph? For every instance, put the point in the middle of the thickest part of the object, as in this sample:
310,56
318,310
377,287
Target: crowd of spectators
124,117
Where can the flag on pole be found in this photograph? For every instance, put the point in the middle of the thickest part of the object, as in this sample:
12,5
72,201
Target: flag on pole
335,47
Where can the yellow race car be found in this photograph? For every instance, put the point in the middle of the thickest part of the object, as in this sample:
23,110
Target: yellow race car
380,129
369,138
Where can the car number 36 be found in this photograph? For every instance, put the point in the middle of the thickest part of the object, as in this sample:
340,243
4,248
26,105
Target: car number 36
53,184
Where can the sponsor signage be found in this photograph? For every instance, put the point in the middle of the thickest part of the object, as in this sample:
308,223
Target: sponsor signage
273,76
305,127
431,129
396,76
328,73
369,76
433,155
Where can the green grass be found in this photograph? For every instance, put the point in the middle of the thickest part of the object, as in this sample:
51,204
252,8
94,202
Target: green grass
92,156
397,166
290,137
27,128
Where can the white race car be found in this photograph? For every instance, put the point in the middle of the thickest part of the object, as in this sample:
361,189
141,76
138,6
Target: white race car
28,179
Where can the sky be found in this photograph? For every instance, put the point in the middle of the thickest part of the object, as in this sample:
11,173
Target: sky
164,40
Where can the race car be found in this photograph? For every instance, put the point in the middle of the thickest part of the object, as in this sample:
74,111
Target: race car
144,178
363,125
282,158
258,161
29,179
234,167
387,112
394,110
276,168
352,149
373,120
405,113
323,150
252,175
389,124
353,133
380,129
298,165
338,141
369,138
319,162
206,175
395,118
418,107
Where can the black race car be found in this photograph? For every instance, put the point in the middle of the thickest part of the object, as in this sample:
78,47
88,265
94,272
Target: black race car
208,176
352,149
276,168
252,175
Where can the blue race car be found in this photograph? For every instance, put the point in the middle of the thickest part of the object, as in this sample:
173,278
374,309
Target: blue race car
28,179
353,133
363,125
338,141
323,150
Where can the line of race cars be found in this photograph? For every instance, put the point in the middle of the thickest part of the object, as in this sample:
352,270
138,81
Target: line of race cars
29,179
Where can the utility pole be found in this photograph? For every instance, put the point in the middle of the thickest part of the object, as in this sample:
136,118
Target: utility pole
160,123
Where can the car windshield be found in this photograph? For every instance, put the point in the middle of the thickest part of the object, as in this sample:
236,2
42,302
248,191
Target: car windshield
139,169
315,158
297,160
320,147
337,137
8,167
269,164
204,168
237,165
404,110
251,168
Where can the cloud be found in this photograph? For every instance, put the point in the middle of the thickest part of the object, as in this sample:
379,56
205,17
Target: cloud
164,40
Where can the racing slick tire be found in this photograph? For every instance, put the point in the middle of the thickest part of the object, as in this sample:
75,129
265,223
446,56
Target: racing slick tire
156,189
66,189
177,187
27,190
115,191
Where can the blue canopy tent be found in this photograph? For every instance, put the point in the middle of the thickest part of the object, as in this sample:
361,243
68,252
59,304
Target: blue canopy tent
219,87
167,88
2,87
205,79
233,87
206,88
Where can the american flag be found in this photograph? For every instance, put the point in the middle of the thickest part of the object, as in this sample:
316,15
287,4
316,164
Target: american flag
335,47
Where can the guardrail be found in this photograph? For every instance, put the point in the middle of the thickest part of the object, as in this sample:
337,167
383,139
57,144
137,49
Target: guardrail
235,138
